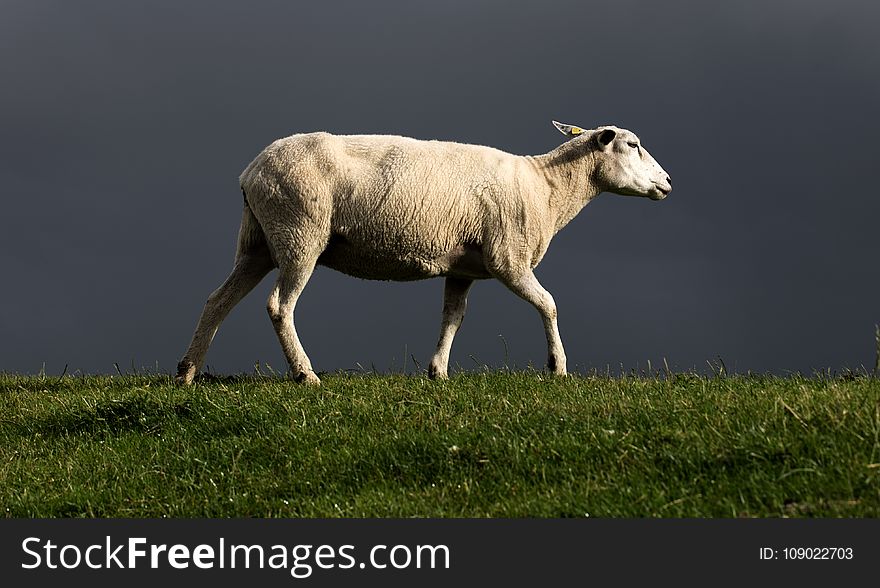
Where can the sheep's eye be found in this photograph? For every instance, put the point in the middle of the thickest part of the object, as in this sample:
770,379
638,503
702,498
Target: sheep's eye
633,145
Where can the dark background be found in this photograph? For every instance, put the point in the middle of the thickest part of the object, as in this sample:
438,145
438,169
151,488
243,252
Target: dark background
124,126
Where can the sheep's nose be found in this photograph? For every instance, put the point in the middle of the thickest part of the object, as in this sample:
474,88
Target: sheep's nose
669,180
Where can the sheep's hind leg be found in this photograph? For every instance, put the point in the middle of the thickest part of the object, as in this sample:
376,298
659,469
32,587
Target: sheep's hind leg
282,302
249,269
455,293
529,289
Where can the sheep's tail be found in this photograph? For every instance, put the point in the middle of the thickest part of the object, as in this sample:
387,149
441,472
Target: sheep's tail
250,235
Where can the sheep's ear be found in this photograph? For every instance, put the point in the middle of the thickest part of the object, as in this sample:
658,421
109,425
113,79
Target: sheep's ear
568,130
605,137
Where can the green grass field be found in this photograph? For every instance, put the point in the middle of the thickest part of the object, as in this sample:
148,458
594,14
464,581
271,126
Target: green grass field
487,444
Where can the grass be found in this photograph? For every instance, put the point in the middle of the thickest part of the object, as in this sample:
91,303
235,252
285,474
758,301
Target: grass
488,444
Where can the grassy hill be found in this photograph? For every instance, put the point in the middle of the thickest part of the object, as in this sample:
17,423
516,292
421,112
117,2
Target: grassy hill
487,444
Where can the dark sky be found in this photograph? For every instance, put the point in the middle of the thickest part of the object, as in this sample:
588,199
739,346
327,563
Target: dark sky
124,126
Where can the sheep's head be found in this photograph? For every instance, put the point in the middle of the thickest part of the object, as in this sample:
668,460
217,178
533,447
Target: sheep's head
622,165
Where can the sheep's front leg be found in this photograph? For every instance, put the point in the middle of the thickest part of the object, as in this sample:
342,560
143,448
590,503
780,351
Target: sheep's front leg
455,293
528,288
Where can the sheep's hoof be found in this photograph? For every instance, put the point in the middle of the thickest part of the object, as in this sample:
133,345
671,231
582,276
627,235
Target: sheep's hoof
309,378
186,372
556,365
436,374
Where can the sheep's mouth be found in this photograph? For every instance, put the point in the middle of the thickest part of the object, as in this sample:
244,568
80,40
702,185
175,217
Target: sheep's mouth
660,192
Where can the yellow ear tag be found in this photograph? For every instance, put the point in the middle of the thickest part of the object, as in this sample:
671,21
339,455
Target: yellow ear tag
576,130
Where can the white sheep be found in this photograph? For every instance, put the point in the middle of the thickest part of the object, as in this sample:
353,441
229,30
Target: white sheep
394,208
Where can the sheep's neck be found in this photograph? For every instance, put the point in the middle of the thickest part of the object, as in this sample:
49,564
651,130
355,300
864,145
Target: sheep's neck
569,183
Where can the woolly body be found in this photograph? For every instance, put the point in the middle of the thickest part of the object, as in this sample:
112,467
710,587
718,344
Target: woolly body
394,208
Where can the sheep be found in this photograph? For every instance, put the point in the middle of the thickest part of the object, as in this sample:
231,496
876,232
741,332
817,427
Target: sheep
394,208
